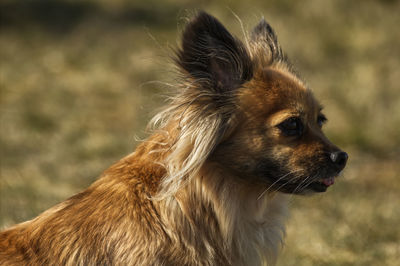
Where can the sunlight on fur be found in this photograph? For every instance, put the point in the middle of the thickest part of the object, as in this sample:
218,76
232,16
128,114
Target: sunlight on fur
210,185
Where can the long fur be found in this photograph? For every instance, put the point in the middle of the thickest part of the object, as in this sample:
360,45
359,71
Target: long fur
175,200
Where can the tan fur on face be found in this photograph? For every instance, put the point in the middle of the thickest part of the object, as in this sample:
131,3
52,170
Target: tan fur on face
199,190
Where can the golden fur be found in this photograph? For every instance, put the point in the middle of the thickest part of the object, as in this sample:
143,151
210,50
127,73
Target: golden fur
208,187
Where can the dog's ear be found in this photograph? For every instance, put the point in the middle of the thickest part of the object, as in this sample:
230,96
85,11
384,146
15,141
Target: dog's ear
263,38
212,56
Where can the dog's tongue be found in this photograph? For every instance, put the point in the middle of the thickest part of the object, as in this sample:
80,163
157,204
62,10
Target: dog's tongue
329,181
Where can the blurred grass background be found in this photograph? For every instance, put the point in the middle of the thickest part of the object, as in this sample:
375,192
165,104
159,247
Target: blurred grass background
76,88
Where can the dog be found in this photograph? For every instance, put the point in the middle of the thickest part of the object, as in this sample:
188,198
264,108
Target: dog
210,185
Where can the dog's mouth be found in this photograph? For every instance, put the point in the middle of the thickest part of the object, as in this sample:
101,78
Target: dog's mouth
322,184
301,187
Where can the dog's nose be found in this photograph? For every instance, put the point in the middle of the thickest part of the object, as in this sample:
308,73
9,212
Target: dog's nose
339,158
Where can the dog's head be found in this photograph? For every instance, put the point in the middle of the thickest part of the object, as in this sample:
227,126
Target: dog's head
278,139
244,109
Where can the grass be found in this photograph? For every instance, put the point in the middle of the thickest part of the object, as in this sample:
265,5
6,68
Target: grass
76,88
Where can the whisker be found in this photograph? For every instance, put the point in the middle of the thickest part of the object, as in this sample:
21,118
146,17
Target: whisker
280,178
307,181
310,180
300,184
289,181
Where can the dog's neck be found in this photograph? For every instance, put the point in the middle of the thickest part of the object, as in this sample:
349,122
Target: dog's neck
221,217
215,214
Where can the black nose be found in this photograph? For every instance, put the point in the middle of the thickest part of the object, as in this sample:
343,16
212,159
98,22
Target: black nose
339,158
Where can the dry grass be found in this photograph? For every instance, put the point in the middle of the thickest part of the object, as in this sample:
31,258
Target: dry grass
75,91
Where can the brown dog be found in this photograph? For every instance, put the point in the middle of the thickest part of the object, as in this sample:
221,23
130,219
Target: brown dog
209,186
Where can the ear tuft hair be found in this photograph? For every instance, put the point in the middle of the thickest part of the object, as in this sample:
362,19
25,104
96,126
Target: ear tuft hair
264,38
212,56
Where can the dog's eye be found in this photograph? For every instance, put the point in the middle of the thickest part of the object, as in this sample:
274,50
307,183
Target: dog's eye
321,120
291,127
